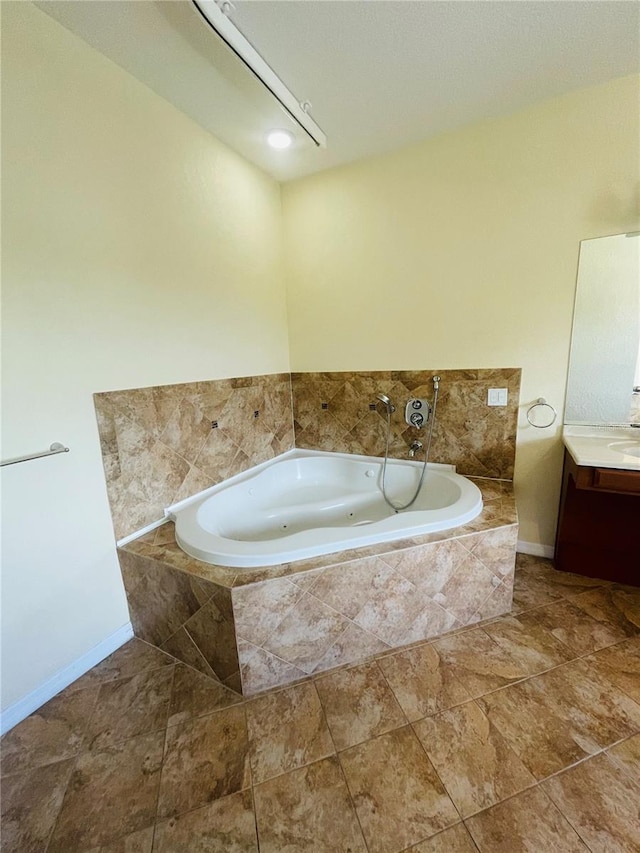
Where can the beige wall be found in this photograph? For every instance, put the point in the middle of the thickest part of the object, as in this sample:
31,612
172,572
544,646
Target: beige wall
137,251
462,252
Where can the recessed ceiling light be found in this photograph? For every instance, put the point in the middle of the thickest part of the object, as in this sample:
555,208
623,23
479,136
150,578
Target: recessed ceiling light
280,139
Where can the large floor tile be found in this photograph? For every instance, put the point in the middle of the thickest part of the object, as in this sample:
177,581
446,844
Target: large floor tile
476,764
422,682
619,606
621,665
528,642
479,663
399,798
110,794
358,704
224,826
204,759
140,841
286,730
626,756
602,802
531,590
453,840
574,627
30,802
194,695
308,809
134,657
561,717
130,706
53,732
527,823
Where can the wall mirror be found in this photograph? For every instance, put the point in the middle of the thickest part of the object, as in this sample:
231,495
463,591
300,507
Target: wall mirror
604,363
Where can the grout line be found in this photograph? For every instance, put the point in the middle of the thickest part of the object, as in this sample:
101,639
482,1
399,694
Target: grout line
352,802
62,802
393,693
164,751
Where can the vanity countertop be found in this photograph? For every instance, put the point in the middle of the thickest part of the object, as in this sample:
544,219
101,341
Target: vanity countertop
603,447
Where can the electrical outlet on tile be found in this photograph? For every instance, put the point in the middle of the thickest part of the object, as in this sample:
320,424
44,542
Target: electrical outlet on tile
497,397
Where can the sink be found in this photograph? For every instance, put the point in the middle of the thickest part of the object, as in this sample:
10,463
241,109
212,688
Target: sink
628,448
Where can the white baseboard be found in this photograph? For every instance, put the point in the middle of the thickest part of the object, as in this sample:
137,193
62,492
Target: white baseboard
21,709
534,549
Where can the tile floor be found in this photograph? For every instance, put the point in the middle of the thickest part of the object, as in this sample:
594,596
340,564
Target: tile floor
519,735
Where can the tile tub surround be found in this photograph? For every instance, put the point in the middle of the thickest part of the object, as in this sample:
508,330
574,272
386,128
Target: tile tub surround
261,628
332,412
415,751
159,444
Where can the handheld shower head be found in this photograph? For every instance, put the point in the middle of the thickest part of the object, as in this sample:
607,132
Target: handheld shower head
387,402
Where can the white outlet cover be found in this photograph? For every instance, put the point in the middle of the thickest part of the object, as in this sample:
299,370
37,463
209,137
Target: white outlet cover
497,397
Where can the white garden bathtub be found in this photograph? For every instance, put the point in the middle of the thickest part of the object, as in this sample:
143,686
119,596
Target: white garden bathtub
306,503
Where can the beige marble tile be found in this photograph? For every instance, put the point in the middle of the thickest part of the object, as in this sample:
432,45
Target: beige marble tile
476,764
393,608
348,586
224,826
531,589
562,716
129,707
573,626
135,842
213,632
55,731
204,759
287,729
182,647
626,756
429,567
496,549
110,794
308,630
132,658
195,481
261,670
456,839
29,805
499,602
308,809
479,662
259,609
195,695
353,645
150,438
422,682
468,588
186,430
161,603
619,606
602,803
398,796
527,641
516,826
358,704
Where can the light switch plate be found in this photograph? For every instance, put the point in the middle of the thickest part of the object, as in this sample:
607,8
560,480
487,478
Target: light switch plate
497,397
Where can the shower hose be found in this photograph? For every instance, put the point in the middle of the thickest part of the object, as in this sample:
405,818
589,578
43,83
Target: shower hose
395,507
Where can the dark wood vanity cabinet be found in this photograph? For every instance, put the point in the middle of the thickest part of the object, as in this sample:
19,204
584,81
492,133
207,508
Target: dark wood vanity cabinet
599,523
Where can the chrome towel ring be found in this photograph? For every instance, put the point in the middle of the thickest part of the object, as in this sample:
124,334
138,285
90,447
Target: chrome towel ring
552,413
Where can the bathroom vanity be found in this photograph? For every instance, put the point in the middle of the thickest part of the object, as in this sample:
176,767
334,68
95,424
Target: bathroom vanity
599,518
598,532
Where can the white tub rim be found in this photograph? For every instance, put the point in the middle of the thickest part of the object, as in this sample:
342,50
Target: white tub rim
247,562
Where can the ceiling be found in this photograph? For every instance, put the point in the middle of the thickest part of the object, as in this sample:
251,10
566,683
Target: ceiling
380,74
